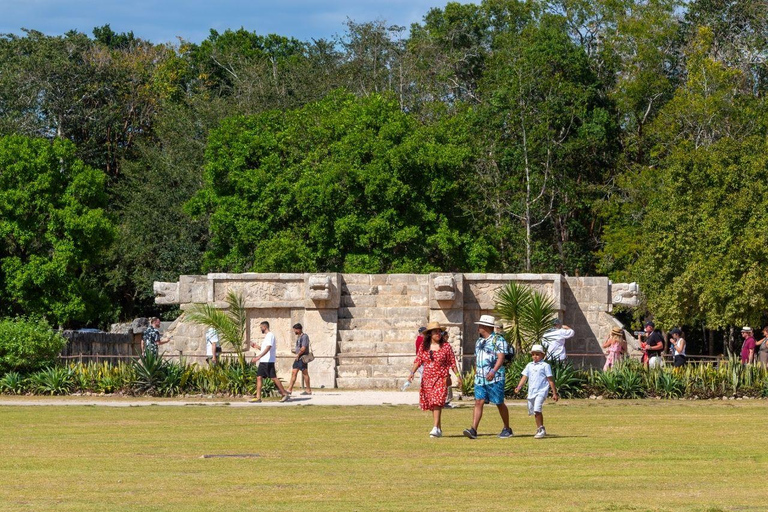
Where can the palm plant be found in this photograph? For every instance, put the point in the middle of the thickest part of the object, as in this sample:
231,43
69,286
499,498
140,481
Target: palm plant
527,314
511,301
230,324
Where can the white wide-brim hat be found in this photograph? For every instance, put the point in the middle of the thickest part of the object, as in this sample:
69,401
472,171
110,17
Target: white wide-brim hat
539,349
487,320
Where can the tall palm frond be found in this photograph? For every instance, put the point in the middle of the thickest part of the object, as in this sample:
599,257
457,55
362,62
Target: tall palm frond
537,318
511,302
230,324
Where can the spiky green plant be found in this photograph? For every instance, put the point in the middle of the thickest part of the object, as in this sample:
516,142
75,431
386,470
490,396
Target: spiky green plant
150,373
55,380
511,301
527,314
468,383
230,324
537,318
12,383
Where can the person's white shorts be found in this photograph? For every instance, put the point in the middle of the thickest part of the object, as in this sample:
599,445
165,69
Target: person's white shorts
535,403
656,362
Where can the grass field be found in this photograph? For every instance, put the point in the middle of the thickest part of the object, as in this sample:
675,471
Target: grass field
601,456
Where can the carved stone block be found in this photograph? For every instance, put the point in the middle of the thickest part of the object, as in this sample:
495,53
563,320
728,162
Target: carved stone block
445,288
625,294
166,293
319,287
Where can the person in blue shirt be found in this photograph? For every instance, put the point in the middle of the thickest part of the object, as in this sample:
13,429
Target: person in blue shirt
490,349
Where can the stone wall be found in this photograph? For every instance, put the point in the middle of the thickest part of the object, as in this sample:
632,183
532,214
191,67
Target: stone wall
362,327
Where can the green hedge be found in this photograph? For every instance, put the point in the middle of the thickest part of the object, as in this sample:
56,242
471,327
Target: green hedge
727,378
149,376
28,345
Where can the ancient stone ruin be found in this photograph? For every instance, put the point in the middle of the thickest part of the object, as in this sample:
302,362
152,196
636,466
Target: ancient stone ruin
362,327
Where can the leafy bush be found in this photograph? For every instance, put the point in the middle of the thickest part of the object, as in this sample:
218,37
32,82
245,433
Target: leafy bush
56,380
665,384
468,383
28,345
150,374
12,383
570,382
625,380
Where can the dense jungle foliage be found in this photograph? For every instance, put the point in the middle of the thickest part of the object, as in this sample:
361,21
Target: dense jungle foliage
620,137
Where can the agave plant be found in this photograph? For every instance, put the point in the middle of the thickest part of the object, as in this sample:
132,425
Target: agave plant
230,324
527,314
55,380
150,373
12,383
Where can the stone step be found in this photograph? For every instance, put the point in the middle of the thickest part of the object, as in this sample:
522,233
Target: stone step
379,279
368,335
373,383
381,324
417,313
368,358
384,289
377,347
384,300
373,370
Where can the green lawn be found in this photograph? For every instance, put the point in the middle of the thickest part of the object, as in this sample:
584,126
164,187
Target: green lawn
602,455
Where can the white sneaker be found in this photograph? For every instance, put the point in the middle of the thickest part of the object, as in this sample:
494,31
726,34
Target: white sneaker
540,433
436,432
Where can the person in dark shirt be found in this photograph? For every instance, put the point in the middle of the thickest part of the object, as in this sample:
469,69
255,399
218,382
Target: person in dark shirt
652,343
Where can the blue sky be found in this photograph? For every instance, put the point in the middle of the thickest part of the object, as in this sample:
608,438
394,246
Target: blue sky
165,20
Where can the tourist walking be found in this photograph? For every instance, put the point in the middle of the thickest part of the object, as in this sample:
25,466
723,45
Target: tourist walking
152,338
762,350
436,357
300,364
748,347
266,359
212,346
677,344
652,344
490,349
616,347
554,340
538,373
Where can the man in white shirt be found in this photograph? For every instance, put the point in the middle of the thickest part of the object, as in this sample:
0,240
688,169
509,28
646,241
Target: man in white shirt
267,365
554,340
212,346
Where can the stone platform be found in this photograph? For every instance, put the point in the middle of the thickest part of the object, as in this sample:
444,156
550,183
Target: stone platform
362,327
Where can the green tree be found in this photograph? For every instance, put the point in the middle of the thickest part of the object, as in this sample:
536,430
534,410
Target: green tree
345,184
54,232
546,133
691,227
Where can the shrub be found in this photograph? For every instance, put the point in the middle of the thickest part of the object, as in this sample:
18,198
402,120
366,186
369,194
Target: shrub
150,373
28,345
12,383
56,380
625,380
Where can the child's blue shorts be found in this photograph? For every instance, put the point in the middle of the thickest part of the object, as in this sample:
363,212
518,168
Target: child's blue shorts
494,393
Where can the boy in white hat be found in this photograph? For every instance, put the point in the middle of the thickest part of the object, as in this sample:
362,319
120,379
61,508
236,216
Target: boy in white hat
538,373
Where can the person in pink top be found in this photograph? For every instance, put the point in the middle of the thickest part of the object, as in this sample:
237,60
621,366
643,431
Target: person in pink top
616,346
748,348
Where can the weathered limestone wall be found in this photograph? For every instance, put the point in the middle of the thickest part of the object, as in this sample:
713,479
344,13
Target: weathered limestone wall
362,327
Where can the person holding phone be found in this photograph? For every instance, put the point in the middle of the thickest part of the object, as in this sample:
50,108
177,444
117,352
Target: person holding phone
677,343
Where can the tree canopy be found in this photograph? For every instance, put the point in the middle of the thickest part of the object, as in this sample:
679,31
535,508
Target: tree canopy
622,137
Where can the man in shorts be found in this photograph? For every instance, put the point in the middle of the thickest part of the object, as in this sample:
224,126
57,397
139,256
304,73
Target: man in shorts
301,348
267,363
490,349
